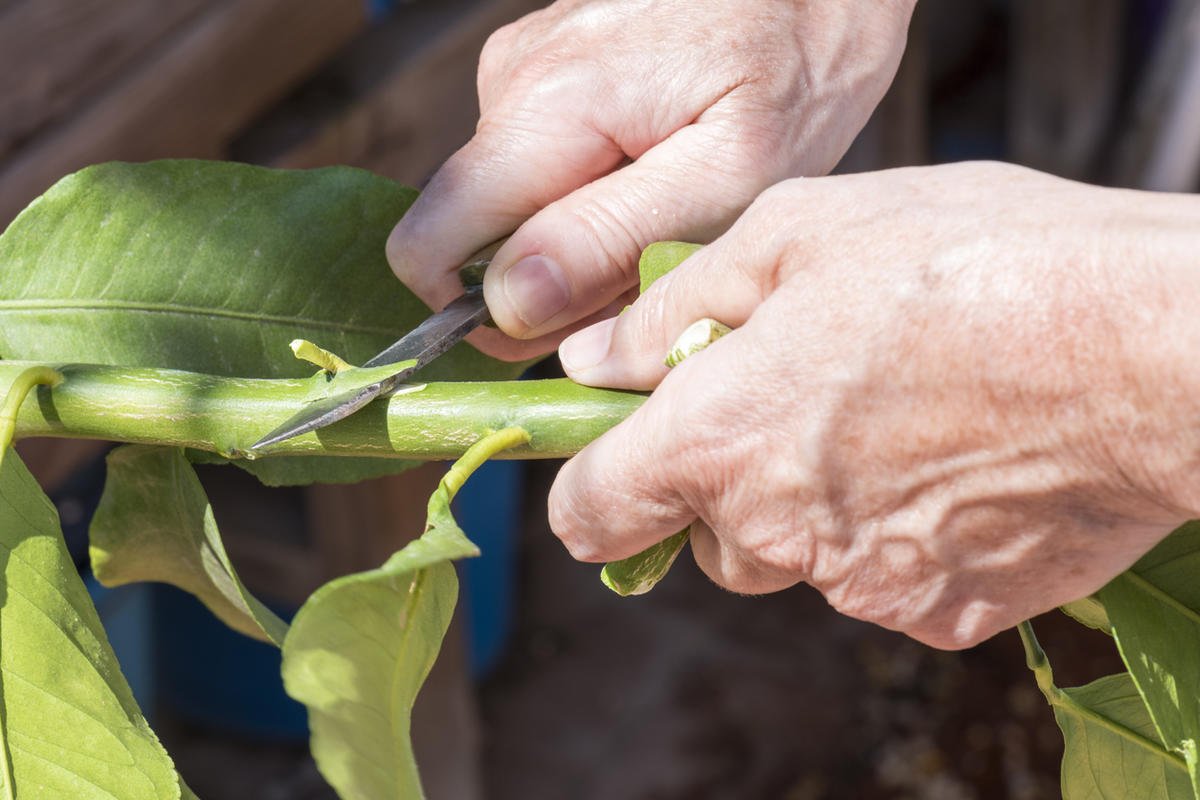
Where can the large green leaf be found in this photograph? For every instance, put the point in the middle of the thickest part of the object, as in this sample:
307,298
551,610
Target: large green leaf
360,648
154,523
71,726
213,267
1112,750
1154,609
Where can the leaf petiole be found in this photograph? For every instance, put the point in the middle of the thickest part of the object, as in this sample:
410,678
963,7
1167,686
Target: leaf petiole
1035,659
21,386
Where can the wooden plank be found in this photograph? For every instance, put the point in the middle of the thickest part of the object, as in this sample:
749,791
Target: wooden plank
413,84
55,53
1066,60
189,96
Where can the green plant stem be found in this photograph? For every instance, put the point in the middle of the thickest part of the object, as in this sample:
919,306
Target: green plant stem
488,447
225,415
22,384
1035,659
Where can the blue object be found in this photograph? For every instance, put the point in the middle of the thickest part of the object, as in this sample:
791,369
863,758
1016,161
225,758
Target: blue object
378,9
488,509
209,674
125,612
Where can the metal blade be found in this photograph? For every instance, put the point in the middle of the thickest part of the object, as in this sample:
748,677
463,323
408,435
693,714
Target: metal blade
424,343
439,333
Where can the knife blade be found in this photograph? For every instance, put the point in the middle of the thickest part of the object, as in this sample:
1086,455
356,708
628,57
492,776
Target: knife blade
427,341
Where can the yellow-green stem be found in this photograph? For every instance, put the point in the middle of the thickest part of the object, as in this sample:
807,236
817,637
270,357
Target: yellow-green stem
18,390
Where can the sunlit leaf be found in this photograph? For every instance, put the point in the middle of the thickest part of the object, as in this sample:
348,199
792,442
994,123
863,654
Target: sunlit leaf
1155,612
1112,750
71,726
361,646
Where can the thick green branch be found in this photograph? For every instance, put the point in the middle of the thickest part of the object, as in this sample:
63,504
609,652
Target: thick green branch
225,415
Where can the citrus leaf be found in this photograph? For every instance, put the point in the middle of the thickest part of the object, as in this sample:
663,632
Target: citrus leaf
361,646
1112,749
1154,608
71,726
154,523
214,267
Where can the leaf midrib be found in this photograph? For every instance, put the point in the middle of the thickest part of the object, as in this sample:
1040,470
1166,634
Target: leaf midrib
257,317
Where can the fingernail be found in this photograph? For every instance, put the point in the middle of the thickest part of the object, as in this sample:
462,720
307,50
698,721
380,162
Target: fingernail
537,289
581,351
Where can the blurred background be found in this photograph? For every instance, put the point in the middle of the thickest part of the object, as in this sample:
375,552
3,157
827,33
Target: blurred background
549,686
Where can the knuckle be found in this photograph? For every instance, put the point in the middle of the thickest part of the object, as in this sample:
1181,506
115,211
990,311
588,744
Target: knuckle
397,255
605,224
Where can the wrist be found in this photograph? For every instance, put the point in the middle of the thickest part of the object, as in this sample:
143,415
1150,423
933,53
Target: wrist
1154,258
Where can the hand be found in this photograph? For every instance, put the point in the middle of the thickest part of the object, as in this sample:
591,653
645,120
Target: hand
605,126
956,397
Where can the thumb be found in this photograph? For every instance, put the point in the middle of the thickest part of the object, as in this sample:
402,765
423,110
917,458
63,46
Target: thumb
501,177
580,253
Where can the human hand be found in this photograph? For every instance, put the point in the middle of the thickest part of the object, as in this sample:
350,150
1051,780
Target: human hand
605,126
955,397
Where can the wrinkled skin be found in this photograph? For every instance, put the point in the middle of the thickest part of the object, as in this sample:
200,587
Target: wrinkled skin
606,125
955,397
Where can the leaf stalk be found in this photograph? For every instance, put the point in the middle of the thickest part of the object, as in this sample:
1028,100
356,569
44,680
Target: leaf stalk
1035,659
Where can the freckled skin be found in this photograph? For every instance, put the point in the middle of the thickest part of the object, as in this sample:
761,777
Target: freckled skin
955,397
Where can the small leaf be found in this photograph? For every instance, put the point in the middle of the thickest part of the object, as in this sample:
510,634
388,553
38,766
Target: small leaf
361,646
154,523
71,727
1112,749
1088,611
1154,608
639,573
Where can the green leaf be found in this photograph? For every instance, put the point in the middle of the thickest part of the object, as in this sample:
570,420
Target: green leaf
211,267
1112,749
215,268
1155,612
71,726
154,523
1088,611
639,573
660,258
360,648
